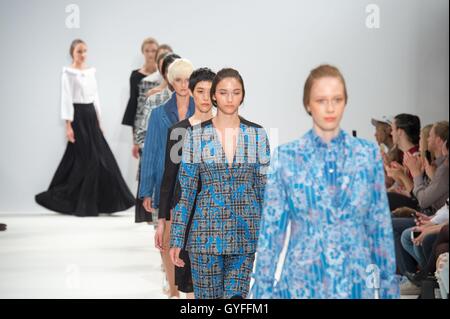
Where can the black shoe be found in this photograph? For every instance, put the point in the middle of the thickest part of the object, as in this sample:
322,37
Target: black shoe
237,297
2,227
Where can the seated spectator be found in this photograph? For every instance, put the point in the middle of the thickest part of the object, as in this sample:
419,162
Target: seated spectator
406,136
434,193
388,149
427,228
405,262
399,173
432,267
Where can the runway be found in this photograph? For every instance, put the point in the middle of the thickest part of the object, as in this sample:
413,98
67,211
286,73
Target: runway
52,256
48,255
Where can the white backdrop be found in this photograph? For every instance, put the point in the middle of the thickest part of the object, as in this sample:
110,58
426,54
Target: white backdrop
402,66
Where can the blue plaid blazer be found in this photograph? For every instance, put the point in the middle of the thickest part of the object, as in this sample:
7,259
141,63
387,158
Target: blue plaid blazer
228,208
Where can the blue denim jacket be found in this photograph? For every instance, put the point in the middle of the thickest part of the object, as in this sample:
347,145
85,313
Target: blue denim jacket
152,162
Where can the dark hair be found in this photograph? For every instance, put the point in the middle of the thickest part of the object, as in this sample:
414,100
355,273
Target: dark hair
411,125
168,61
74,44
161,57
222,74
201,74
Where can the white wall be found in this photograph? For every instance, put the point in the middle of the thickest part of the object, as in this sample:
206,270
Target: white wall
400,67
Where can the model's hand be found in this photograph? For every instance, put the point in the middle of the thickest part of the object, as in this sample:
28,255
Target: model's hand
153,91
175,257
147,204
160,234
70,134
135,151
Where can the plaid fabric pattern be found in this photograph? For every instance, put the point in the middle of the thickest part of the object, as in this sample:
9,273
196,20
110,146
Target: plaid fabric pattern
221,276
145,107
228,209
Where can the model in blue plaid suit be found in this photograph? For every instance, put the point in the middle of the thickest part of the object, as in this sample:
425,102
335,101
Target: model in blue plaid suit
329,186
225,226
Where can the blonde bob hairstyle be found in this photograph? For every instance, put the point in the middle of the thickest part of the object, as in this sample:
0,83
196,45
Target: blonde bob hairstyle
180,68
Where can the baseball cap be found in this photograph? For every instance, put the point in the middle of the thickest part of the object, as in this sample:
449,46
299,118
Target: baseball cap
384,120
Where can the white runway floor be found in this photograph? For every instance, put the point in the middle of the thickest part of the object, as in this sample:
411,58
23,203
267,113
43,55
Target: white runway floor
48,255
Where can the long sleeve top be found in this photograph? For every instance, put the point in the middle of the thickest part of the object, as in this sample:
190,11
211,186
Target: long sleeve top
143,114
153,156
228,207
78,86
434,193
170,186
341,244
130,111
441,215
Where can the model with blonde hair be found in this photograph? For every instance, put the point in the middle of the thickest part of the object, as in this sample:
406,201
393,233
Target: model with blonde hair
149,48
179,107
228,155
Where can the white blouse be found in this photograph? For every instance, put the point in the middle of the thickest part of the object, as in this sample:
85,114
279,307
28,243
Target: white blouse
153,77
78,86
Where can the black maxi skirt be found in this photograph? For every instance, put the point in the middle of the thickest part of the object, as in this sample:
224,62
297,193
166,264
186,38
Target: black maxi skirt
88,180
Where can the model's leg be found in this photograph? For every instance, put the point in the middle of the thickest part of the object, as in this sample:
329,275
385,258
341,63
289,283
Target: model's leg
168,265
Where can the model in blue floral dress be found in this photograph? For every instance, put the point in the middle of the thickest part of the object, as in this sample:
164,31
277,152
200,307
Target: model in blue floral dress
334,198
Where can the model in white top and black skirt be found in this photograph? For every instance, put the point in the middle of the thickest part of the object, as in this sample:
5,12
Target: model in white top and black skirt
88,180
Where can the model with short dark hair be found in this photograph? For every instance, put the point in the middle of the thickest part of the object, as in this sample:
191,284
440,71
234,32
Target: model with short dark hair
141,125
179,107
229,155
200,86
